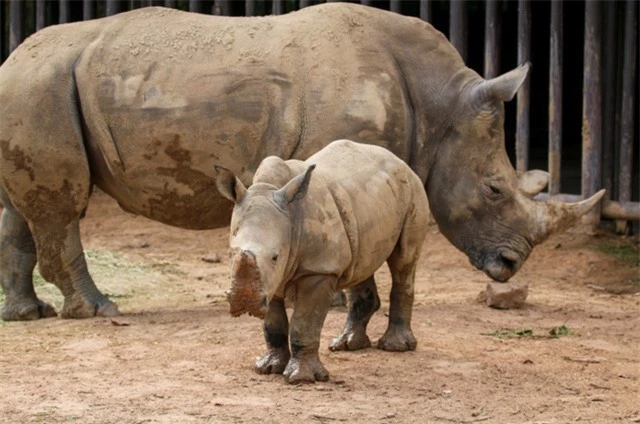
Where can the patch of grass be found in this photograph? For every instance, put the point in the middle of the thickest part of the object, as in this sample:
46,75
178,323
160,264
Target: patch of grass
554,333
511,334
557,332
623,251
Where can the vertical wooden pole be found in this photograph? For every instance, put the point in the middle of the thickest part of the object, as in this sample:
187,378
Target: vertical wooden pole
592,108
627,112
16,24
2,27
41,14
221,7
195,6
249,7
304,3
113,7
63,11
88,10
394,6
609,54
522,117
492,26
170,3
425,10
276,7
555,97
458,26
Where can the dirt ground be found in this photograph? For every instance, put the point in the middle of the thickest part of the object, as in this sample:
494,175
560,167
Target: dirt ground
176,356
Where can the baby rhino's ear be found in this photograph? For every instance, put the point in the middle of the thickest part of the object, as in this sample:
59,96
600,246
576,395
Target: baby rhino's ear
296,188
228,184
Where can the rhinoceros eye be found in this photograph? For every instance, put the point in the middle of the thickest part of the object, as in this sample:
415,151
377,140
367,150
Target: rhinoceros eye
494,191
274,258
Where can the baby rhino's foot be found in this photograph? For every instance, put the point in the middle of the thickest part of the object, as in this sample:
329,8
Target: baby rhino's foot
397,339
351,339
305,369
273,362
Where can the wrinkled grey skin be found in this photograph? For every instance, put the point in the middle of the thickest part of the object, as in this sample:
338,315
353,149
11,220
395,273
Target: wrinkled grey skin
144,103
308,234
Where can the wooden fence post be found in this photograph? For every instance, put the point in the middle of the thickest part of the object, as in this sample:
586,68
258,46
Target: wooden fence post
555,97
492,27
626,122
524,93
458,26
16,24
592,109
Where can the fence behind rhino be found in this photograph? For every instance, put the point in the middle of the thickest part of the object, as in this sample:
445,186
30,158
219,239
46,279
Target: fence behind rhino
575,116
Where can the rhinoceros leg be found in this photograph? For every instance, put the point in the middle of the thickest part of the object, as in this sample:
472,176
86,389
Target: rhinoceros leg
276,332
17,261
61,261
402,264
363,301
313,299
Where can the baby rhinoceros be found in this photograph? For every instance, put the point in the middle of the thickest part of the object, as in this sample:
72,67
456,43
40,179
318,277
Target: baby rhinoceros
309,233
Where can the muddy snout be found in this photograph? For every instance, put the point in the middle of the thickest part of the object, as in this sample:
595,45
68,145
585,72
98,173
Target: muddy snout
247,294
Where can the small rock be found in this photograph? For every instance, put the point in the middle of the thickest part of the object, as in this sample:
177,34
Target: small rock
212,259
144,245
504,295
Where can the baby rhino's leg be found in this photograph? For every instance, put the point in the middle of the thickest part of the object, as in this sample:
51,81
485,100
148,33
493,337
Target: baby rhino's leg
363,301
276,333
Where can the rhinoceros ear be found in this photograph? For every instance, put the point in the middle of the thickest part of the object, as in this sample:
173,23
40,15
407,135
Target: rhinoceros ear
296,188
503,87
228,184
532,182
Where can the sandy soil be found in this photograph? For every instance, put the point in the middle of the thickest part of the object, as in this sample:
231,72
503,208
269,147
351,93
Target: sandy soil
176,356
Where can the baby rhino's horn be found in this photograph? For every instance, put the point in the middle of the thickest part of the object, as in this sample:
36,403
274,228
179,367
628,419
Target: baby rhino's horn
246,294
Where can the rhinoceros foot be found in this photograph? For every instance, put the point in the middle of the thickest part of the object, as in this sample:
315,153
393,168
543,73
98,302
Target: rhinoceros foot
26,310
273,362
305,369
353,338
397,339
81,307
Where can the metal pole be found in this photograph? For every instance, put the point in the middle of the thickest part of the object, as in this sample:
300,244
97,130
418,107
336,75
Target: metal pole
276,7
113,7
458,26
425,10
63,8
626,123
522,117
609,95
88,10
394,6
592,108
16,24
492,24
555,97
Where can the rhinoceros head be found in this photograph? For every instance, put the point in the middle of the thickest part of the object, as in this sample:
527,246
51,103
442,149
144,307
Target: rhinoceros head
260,240
478,200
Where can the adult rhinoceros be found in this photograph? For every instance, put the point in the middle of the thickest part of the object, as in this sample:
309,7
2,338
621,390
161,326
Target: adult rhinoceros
144,103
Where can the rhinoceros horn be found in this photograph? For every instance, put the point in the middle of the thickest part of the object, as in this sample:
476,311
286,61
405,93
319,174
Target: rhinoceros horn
555,217
247,293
